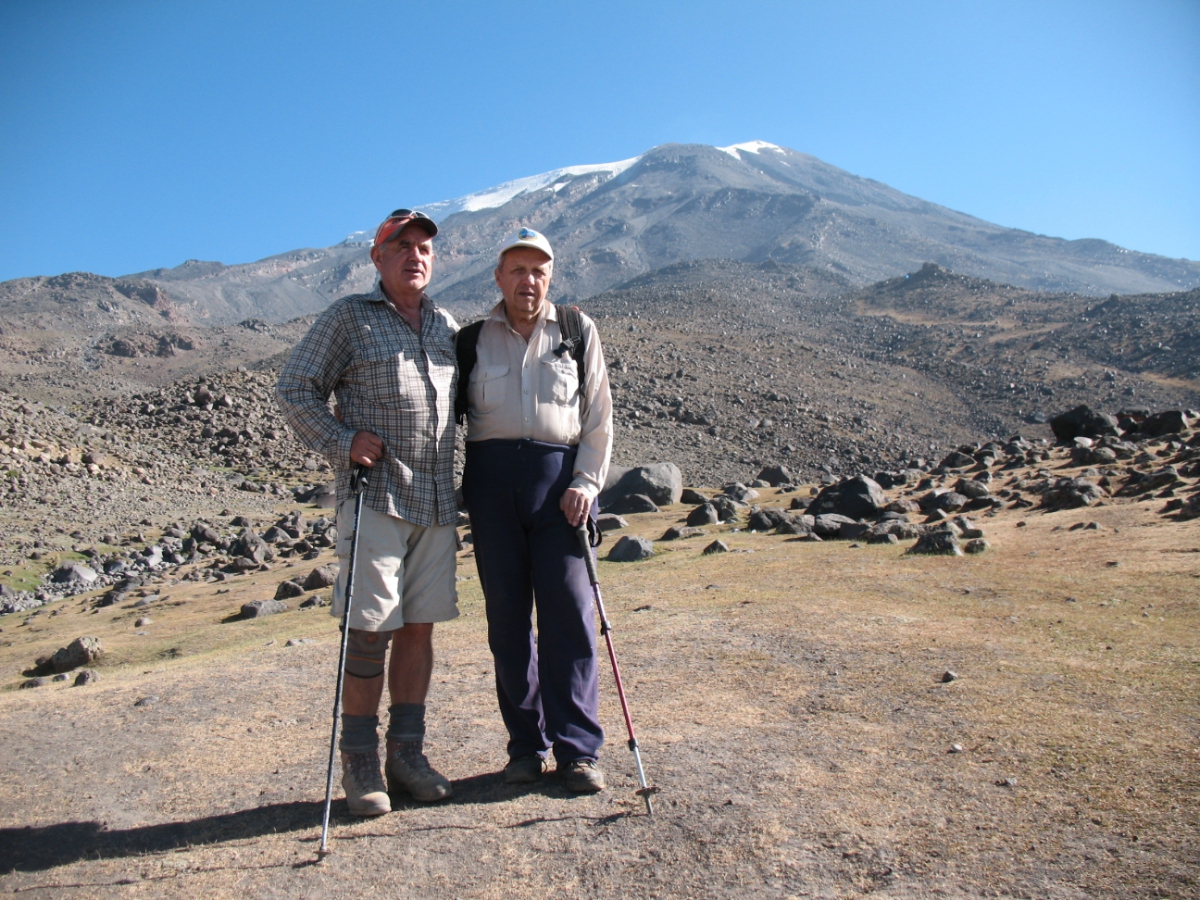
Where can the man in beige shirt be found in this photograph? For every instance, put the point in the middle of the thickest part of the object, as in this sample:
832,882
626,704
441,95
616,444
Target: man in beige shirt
538,447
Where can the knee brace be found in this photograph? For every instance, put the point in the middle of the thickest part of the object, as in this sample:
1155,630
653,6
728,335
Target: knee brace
365,651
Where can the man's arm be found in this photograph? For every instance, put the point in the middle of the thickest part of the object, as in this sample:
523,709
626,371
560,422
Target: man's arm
596,431
308,378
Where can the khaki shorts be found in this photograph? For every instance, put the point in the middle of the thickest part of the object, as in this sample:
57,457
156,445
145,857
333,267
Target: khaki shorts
405,572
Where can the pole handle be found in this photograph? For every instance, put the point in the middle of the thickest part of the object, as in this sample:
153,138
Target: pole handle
359,476
585,542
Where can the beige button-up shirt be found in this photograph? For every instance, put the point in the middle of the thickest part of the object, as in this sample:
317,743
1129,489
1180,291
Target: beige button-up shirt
522,390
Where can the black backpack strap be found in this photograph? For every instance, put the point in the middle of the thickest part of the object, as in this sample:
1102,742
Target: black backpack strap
464,349
570,324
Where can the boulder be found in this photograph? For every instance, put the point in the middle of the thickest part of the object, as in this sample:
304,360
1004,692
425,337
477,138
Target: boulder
80,652
971,489
767,519
703,515
852,531
1173,421
1191,508
859,497
830,524
256,609
1083,421
726,508
610,522
75,572
251,546
629,504
716,547
203,534
956,459
320,577
775,476
661,482
677,533
691,496
287,590
631,549
937,542
1072,493
739,493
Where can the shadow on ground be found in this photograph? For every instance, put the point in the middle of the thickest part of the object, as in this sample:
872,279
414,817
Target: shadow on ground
37,849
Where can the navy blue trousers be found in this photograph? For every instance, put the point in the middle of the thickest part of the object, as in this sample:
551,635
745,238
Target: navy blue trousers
528,556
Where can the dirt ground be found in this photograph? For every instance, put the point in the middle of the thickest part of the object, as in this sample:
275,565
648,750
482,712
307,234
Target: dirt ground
790,702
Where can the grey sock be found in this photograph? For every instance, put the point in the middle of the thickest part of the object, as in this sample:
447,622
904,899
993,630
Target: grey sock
407,722
360,734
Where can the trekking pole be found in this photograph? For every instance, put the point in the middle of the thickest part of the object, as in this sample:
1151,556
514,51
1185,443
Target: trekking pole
358,483
606,629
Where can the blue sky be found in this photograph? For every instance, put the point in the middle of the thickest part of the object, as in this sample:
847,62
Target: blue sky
139,134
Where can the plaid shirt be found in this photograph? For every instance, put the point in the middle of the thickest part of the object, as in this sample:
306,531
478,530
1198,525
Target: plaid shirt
388,380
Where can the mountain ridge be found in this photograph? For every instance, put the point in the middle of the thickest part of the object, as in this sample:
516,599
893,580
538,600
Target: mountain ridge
612,222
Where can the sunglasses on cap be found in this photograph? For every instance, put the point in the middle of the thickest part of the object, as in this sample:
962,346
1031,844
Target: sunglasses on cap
393,224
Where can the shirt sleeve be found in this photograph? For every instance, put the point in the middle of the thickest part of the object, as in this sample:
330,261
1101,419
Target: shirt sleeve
596,429
307,380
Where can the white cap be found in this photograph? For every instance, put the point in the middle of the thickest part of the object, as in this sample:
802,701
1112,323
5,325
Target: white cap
527,237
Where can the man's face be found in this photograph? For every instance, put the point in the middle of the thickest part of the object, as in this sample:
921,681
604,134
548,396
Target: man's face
405,263
523,277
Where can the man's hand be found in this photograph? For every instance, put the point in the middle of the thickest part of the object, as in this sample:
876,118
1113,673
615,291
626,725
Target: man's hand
575,505
366,448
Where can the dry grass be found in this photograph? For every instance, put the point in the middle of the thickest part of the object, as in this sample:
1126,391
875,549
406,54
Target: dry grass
790,705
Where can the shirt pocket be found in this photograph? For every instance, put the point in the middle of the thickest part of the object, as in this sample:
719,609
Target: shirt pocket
391,378
560,380
487,388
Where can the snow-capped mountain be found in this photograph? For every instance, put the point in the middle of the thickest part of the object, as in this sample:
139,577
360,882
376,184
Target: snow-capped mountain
611,222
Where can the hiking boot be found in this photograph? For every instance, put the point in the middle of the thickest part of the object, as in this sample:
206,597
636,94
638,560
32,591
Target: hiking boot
363,784
525,769
408,768
582,776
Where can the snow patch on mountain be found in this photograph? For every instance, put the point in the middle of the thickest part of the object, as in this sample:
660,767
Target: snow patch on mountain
749,147
497,196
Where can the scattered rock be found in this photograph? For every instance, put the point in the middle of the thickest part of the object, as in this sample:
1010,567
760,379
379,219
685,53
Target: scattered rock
705,514
630,504
287,590
320,577
662,483
256,609
74,572
86,676
937,542
855,498
677,533
716,547
80,652
631,549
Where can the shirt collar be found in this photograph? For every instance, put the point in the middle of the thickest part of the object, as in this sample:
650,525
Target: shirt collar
549,314
378,296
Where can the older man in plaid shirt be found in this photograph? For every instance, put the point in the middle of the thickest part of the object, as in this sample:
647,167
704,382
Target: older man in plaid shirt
388,358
